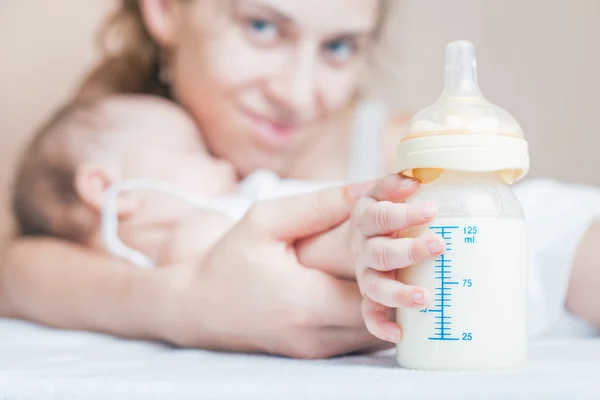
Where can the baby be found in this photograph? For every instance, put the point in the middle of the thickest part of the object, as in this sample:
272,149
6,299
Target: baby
130,175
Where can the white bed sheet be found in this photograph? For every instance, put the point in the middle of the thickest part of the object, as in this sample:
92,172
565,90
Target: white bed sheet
42,363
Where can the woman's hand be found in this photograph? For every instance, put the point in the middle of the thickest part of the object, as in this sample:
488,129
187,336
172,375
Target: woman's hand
378,253
252,294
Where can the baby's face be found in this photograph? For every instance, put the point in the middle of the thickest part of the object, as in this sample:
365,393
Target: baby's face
166,146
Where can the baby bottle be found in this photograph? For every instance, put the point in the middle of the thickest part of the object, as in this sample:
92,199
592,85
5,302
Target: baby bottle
466,152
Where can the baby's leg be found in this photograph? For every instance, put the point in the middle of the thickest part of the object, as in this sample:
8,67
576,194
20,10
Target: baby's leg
563,222
583,296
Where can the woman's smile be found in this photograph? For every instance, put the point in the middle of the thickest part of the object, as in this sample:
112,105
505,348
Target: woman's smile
276,133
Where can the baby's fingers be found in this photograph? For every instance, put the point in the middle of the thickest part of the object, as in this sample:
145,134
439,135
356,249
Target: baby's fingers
382,288
386,254
384,217
377,321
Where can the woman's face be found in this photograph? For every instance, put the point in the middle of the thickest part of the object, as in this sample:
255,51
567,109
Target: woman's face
256,74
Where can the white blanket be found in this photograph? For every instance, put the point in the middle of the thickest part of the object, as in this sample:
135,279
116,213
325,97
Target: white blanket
41,363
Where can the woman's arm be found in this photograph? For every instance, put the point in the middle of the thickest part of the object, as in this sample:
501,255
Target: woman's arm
66,286
248,294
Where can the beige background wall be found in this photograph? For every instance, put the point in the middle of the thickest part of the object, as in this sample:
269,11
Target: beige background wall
540,59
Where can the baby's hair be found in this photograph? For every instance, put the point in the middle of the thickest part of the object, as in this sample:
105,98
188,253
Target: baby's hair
45,200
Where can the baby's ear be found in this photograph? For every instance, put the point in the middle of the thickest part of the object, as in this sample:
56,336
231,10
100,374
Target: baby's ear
92,181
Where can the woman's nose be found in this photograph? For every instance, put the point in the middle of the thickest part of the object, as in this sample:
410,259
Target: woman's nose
293,87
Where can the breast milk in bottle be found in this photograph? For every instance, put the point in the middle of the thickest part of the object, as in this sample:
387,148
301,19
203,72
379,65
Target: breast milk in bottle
467,153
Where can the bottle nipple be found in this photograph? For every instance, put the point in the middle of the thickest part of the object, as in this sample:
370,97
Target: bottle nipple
461,71
462,130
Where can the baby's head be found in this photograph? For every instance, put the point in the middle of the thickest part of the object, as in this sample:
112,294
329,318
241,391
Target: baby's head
88,147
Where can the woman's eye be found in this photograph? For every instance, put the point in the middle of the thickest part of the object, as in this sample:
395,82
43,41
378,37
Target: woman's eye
340,51
262,30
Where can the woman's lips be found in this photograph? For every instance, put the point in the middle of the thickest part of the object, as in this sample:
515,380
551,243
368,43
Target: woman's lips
275,133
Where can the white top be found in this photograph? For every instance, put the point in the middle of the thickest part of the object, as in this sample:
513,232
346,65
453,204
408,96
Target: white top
365,161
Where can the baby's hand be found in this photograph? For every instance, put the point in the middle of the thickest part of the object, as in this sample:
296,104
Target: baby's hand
377,254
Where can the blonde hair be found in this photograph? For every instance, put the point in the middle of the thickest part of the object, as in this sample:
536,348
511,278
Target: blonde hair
131,57
134,66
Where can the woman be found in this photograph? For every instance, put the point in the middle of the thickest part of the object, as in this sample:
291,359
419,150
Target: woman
273,84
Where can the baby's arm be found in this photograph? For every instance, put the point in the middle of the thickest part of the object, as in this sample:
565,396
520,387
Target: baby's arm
194,236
